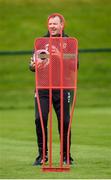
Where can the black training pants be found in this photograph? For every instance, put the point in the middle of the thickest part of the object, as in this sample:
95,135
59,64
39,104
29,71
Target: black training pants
44,102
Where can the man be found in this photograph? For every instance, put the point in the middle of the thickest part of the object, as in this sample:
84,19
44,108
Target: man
55,25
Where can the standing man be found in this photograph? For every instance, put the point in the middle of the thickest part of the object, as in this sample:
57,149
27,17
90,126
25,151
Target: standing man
55,25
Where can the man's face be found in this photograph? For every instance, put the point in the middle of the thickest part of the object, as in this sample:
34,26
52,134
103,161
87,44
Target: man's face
55,25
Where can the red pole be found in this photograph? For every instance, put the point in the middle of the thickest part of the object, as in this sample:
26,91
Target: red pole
61,102
73,105
50,104
40,112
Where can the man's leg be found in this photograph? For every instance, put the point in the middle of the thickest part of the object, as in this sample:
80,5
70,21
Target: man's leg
66,119
66,114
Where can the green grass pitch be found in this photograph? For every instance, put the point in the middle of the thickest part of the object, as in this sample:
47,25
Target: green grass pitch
90,145
20,22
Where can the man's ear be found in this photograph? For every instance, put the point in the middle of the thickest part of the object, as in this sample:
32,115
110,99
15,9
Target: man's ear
62,25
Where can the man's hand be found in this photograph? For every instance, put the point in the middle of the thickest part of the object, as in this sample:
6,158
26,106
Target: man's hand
32,64
41,65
